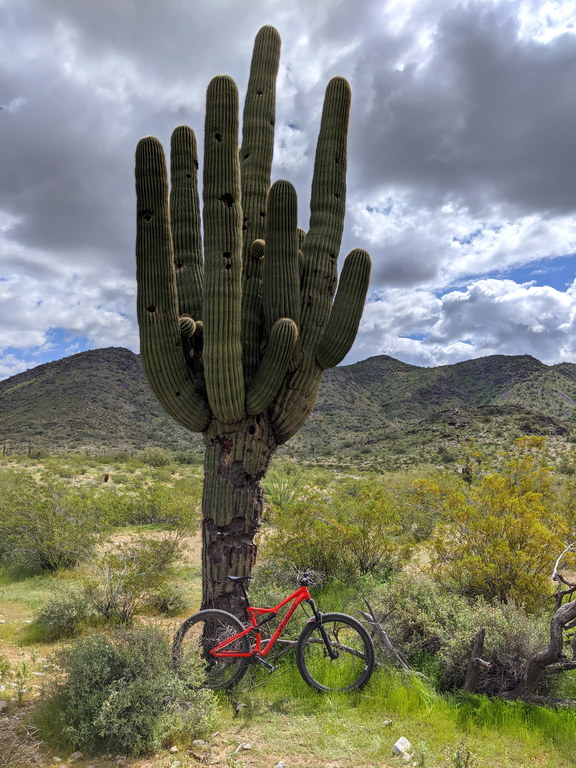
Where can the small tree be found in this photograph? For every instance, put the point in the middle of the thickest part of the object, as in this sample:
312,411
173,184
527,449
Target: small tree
499,537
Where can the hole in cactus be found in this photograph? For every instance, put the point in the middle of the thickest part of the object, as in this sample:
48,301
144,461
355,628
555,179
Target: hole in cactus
188,175
146,214
228,266
195,163
262,215
151,309
259,93
272,123
246,155
252,430
244,224
218,136
177,394
227,199
179,265
337,160
309,302
337,196
227,255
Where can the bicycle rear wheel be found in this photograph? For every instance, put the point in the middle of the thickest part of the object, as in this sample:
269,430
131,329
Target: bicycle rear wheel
355,660
197,636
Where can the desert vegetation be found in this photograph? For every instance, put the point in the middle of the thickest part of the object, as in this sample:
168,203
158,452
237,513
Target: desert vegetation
100,563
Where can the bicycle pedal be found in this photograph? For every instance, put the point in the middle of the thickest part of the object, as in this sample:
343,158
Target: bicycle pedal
264,663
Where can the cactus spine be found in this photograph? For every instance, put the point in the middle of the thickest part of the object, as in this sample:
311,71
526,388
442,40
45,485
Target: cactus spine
237,331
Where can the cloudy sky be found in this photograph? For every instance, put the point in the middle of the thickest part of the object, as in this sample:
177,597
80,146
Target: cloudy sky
462,160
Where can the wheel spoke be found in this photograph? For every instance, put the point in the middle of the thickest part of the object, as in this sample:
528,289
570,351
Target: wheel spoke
354,663
193,642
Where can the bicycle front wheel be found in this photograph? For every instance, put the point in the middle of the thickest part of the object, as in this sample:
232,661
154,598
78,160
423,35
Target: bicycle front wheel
196,637
349,642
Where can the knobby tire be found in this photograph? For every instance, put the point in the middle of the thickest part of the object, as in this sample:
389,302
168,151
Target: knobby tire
355,663
196,636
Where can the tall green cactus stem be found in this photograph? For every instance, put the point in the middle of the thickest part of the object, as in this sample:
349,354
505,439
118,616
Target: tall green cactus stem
237,331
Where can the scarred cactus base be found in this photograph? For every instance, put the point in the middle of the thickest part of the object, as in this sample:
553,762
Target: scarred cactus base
237,457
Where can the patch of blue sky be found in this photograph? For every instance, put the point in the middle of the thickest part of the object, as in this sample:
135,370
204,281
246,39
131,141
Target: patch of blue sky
558,272
415,336
383,210
59,343
469,237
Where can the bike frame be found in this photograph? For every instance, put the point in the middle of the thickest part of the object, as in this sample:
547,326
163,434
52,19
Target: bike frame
302,594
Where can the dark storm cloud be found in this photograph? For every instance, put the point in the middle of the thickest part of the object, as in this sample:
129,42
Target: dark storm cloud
488,118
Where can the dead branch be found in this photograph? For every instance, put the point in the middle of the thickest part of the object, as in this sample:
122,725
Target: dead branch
552,660
476,664
383,636
556,575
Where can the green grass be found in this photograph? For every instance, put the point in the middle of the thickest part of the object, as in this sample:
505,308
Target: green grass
285,720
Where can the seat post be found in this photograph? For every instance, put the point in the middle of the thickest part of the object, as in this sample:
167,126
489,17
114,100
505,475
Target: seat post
241,580
245,593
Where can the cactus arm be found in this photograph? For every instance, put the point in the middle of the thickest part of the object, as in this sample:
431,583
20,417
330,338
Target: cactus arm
273,366
185,220
223,253
320,247
346,312
281,281
160,338
255,167
327,206
258,132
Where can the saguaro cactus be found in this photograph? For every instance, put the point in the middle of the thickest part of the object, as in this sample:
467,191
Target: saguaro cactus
237,332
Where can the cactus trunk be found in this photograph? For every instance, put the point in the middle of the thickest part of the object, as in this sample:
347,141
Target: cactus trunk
232,504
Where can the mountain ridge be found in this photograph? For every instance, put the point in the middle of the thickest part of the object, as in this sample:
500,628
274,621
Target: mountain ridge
99,401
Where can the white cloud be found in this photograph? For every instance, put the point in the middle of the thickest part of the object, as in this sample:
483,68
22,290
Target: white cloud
487,317
543,20
414,245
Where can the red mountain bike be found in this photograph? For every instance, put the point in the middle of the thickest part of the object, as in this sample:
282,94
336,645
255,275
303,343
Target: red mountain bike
334,652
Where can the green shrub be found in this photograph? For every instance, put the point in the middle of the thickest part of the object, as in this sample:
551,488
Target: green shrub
434,628
120,694
4,667
176,503
128,575
64,615
351,529
45,525
155,457
120,581
169,600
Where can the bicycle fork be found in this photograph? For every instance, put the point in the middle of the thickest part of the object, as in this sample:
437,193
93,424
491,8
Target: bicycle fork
332,652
